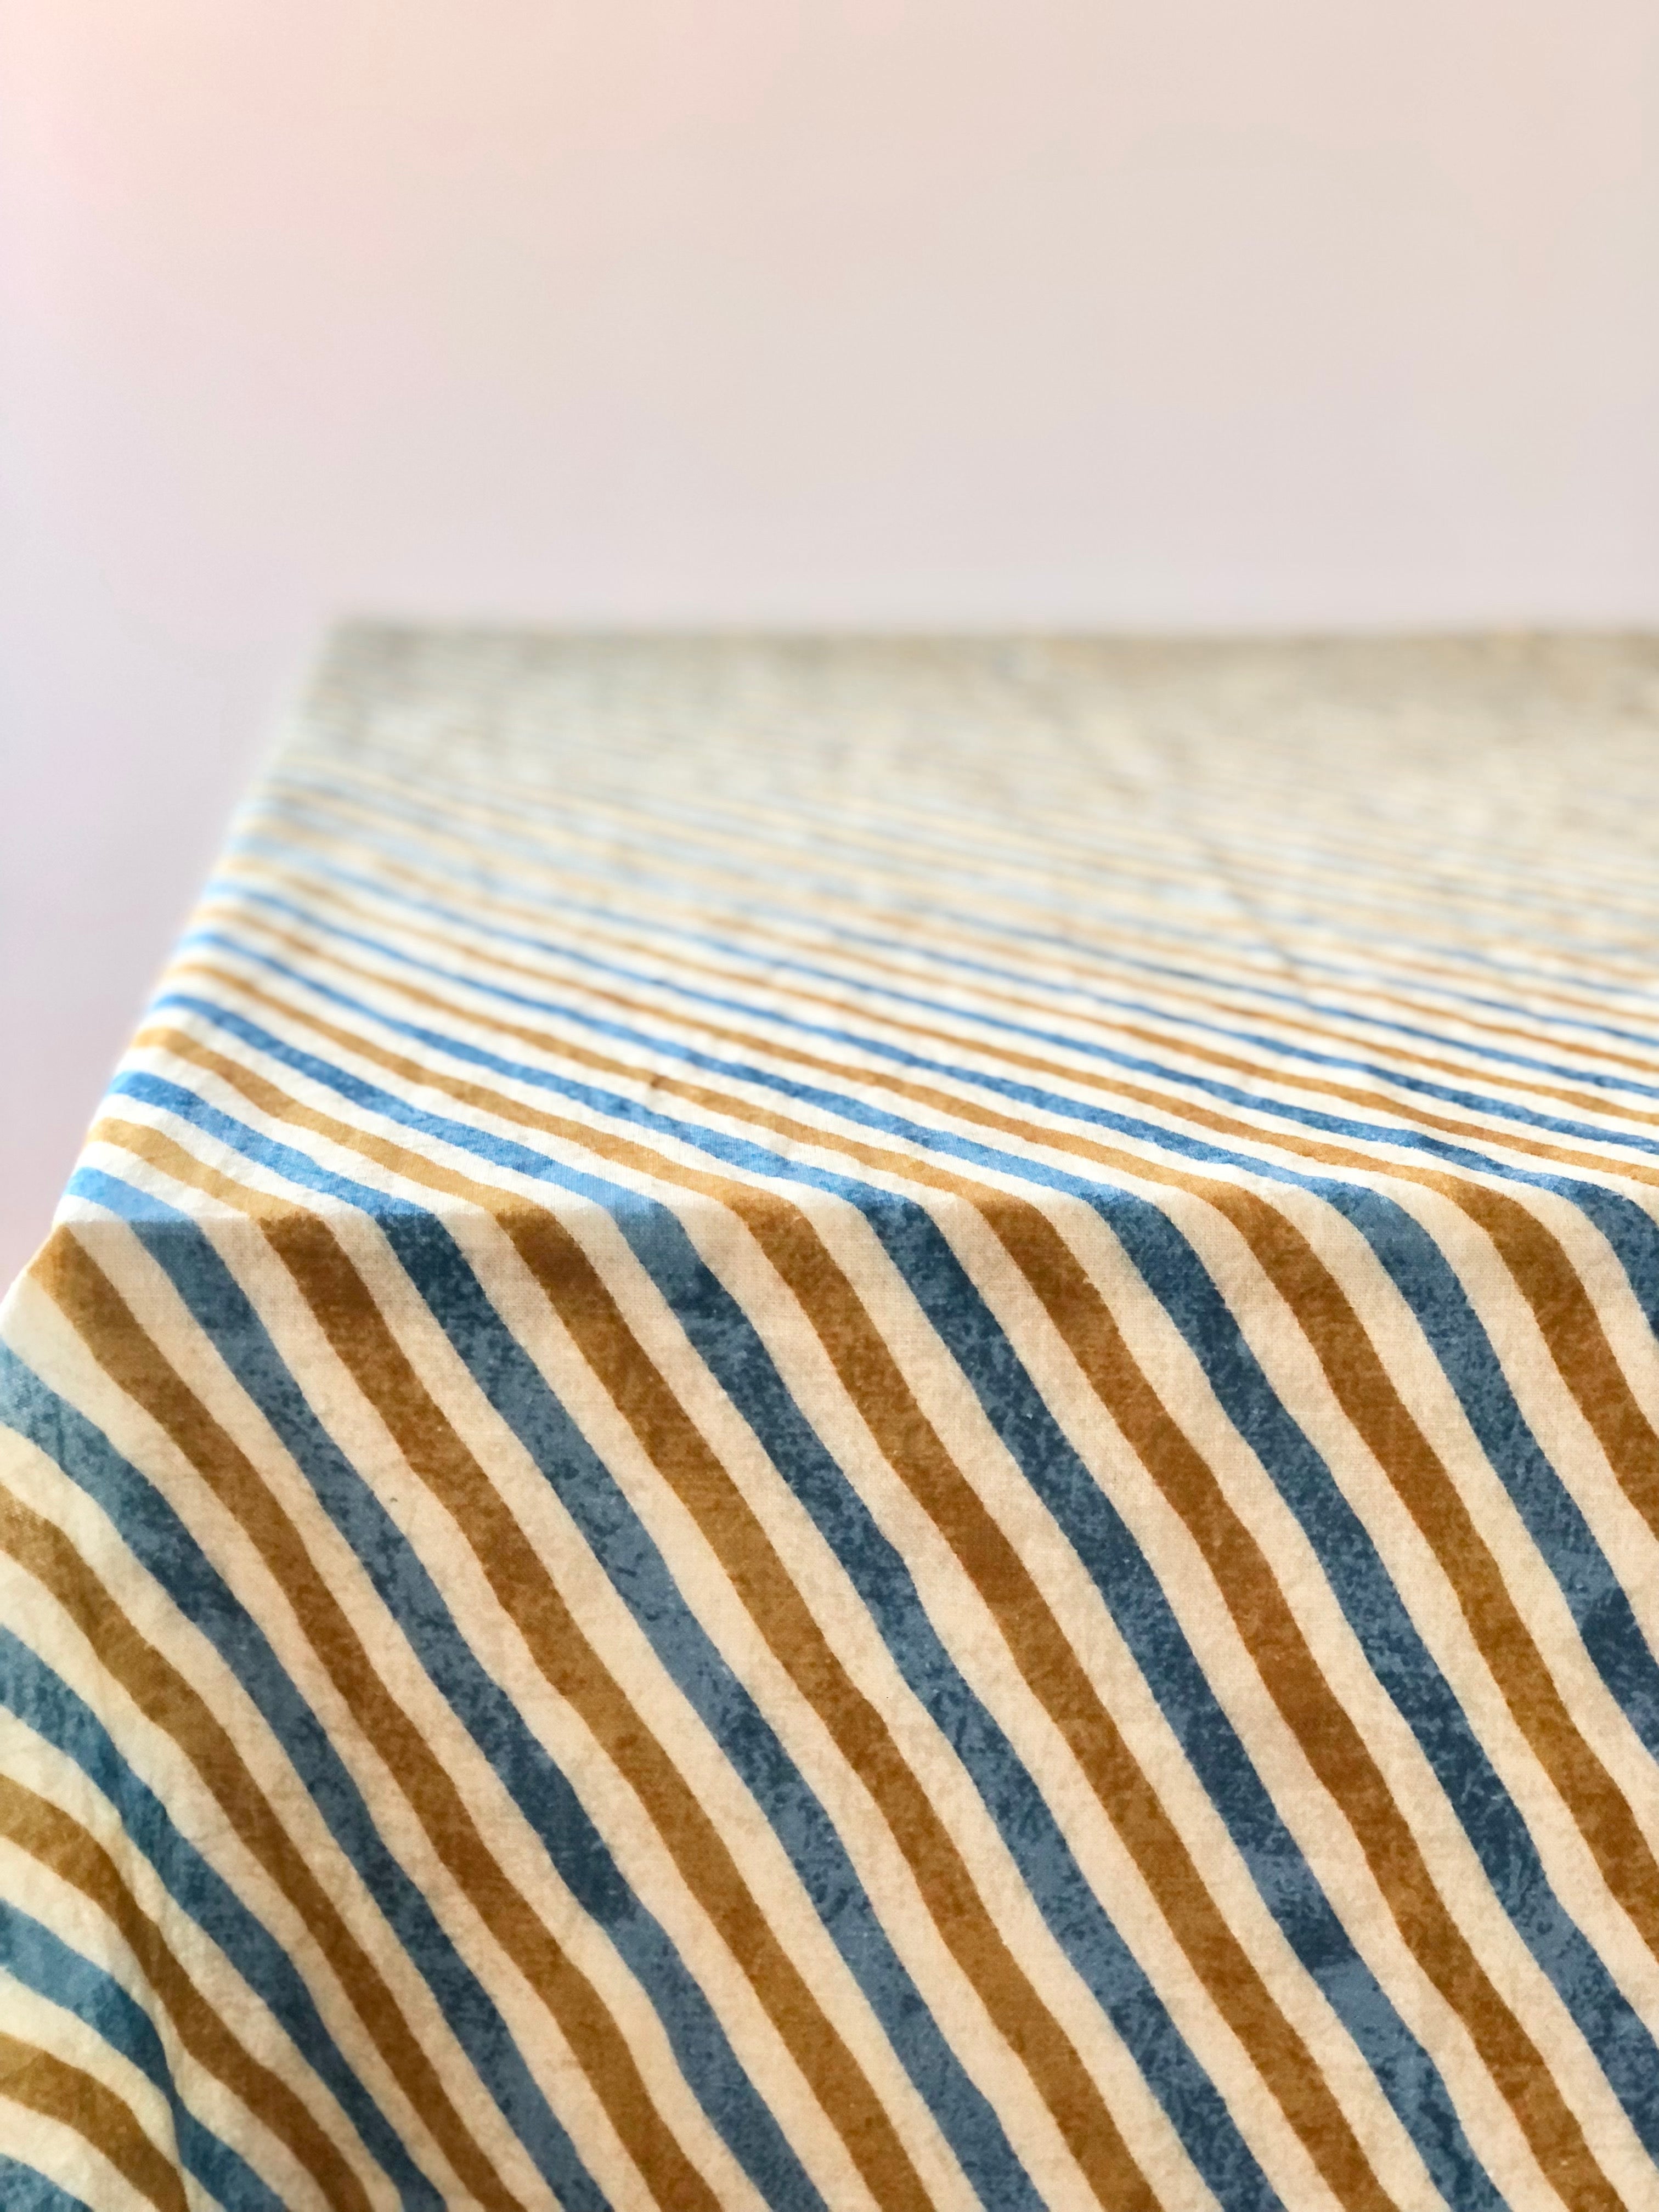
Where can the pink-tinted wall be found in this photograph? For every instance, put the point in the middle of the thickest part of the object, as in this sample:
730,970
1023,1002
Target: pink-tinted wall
1204,312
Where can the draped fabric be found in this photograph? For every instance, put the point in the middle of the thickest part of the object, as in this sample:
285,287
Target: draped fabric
843,1424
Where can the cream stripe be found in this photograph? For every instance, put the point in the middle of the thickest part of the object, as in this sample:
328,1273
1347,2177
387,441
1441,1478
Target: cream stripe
1091,2010
36,2020
969,1632
162,1765
44,1770
535,2033
65,2157
1416,1793
1187,1583
614,1632
36,1890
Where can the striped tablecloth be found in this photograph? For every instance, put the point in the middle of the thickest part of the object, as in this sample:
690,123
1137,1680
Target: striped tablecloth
832,1425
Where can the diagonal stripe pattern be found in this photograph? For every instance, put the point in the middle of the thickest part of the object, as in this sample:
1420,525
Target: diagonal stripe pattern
861,1425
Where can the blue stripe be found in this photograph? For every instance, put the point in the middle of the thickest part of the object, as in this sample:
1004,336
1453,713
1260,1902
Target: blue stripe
1098,952
24,2190
1175,1272
1416,1264
540,1787
1398,1656
1002,1024
45,1964
1023,1091
1420,1270
156,1537
45,1703
1129,1588
516,1388
1429,1285
1603,1613
1051,857
1598,1602
1414,1260
647,854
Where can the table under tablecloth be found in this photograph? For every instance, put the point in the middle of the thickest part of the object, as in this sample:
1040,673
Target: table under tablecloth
862,1423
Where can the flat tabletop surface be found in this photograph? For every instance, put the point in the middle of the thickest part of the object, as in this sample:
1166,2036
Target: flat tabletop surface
861,1422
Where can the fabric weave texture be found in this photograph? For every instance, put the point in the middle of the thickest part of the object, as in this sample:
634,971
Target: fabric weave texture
861,1426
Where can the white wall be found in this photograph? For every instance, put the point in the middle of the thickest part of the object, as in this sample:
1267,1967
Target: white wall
1227,312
